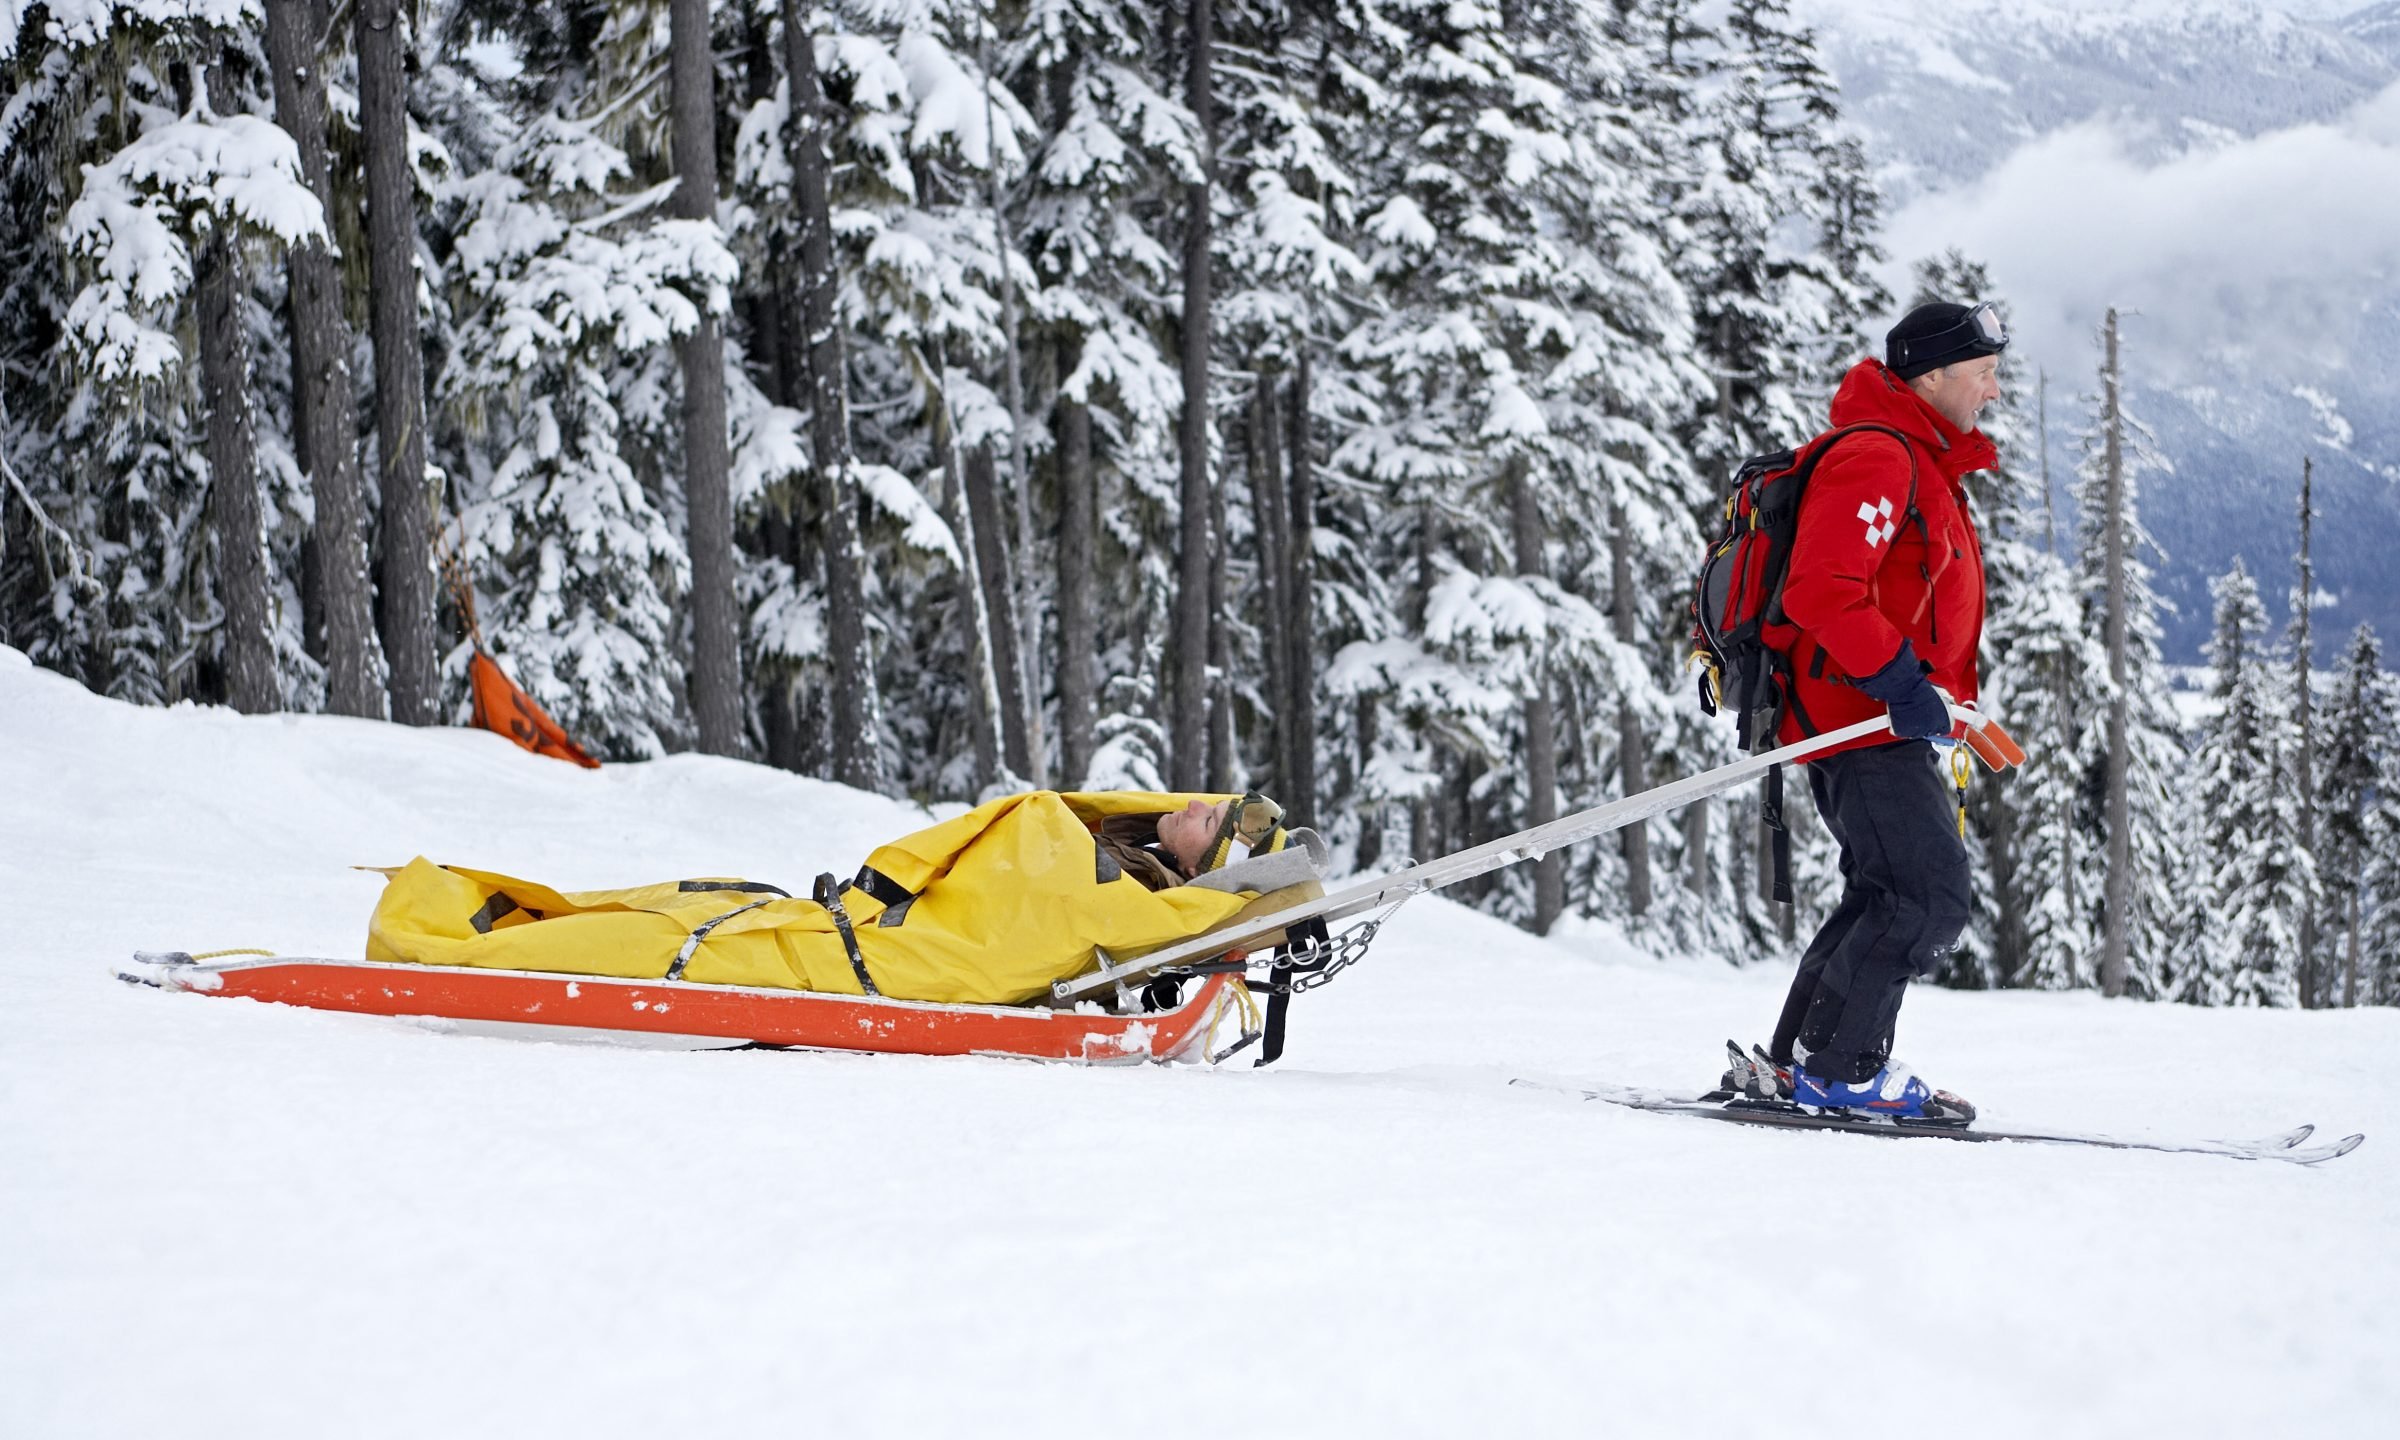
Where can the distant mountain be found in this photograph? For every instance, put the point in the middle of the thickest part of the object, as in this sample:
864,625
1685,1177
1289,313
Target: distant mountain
1994,124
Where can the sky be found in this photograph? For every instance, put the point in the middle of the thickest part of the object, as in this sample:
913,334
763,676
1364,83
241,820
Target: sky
2280,246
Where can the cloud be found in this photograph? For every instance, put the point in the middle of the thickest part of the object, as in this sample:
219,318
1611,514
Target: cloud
2279,246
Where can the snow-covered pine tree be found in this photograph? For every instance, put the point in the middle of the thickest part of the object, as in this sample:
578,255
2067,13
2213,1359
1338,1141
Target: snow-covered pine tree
2138,866
125,178
1114,149
2250,879
2359,821
560,280
1289,285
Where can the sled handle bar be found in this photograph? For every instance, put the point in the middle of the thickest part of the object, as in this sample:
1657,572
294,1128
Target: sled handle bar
1983,735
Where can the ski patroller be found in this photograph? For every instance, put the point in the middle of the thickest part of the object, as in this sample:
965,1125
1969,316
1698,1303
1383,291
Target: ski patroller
1984,735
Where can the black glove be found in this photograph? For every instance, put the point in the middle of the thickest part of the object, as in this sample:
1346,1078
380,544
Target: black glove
1918,710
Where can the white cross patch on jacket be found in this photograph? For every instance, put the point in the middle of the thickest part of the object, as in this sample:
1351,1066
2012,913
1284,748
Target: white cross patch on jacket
1880,526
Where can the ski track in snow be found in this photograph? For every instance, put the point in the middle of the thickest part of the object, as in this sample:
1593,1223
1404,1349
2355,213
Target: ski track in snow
224,1218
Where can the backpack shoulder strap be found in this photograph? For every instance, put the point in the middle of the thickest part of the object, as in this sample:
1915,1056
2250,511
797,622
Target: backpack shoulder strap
1908,448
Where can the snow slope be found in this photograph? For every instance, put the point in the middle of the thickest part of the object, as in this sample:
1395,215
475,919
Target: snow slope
223,1218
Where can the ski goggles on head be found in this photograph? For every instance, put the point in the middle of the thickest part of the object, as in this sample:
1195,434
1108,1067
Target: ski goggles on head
1253,825
1981,331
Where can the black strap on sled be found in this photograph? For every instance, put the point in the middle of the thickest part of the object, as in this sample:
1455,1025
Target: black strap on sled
691,942
829,895
1309,941
882,887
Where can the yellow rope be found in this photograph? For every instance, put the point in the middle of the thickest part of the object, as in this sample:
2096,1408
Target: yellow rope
221,954
1959,772
1248,1006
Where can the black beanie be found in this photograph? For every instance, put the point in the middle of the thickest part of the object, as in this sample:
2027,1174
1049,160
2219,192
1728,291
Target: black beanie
1933,335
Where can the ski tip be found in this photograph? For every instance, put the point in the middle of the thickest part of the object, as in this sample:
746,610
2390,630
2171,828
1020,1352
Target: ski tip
2319,1154
2295,1137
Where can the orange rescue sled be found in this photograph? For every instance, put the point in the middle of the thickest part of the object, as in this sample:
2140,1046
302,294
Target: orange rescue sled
715,1016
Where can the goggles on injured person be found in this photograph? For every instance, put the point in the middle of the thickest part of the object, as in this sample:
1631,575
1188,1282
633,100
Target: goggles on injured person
1253,825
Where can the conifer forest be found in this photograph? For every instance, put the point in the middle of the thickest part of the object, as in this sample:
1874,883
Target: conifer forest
944,397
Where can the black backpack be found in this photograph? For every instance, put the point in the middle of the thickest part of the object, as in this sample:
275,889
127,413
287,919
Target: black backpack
1741,639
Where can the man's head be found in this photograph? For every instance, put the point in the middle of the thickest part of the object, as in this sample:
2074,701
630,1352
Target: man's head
1950,355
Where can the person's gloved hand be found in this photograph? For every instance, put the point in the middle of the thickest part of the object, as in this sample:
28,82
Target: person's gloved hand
1918,710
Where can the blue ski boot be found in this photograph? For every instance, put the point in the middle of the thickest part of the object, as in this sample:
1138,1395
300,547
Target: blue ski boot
1894,1091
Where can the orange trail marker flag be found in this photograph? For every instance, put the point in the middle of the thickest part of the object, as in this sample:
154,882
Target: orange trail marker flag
502,707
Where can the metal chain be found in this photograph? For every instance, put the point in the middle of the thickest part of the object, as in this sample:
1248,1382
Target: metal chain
1308,965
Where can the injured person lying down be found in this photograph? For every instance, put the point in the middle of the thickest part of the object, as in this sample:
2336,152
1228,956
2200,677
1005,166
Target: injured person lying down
990,907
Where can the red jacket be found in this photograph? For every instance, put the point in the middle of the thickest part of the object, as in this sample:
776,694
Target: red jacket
1864,575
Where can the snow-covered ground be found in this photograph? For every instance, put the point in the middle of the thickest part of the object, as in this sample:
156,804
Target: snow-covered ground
222,1218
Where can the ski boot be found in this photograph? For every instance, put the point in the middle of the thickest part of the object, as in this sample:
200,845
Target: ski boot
1894,1092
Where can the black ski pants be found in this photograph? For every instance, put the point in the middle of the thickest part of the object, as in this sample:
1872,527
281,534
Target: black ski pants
1905,896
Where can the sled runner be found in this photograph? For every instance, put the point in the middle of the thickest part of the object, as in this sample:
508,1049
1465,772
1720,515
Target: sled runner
708,1016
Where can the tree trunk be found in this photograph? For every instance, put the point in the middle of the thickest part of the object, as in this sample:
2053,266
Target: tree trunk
2303,656
1697,874
1633,747
296,39
1026,636
409,642
1270,515
857,722
1188,731
2350,965
716,678
1077,551
2117,900
1300,593
2001,854
233,503
1220,653
991,565
984,697
1541,734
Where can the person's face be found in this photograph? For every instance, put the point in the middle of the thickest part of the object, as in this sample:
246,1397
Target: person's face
1959,392
1186,833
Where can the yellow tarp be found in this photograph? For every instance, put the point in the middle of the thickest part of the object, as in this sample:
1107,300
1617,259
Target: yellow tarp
1008,900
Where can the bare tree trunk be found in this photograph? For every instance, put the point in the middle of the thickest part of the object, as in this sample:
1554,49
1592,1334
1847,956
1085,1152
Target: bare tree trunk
2350,965
1077,552
1697,872
1541,736
296,36
1187,736
1264,453
1633,747
2117,900
409,643
1299,619
1028,627
991,565
1220,653
2303,658
716,679
988,711
233,504
2000,852
857,722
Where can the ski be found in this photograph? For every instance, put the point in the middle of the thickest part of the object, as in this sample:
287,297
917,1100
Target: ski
1742,1110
